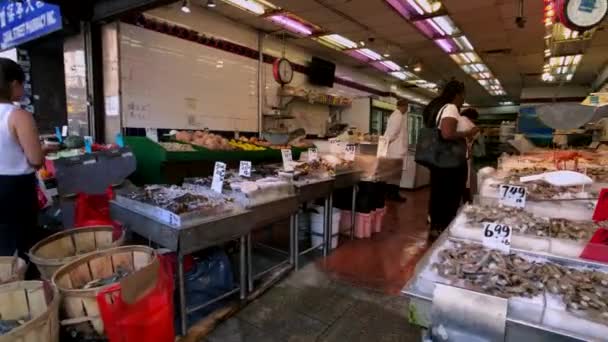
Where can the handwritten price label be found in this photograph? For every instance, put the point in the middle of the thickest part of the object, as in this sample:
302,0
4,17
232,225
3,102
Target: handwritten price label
287,159
497,236
245,168
334,146
382,147
219,172
512,195
349,152
313,154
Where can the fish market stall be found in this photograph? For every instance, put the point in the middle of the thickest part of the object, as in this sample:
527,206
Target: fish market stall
527,297
187,221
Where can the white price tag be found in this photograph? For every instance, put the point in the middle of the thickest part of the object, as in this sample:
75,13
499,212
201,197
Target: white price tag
349,152
512,195
334,146
152,134
219,172
382,147
313,154
245,168
497,236
64,131
287,159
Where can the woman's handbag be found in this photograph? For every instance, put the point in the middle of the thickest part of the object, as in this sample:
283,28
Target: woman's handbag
434,151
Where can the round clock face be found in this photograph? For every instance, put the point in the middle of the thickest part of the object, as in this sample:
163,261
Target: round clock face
584,14
283,71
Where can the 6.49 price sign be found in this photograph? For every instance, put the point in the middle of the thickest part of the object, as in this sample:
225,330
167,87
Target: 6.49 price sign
497,236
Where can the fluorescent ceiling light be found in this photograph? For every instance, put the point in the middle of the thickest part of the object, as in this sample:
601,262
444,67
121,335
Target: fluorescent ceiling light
414,5
291,24
374,56
446,24
577,59
435,27
429,6
506,103
391,65
400,75
341,43
248,5
445,45
463,43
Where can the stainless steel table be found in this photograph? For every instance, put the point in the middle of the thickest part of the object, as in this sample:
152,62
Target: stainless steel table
345,180
201,234
307,191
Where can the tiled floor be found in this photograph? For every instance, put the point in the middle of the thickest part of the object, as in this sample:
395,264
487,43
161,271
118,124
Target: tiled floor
351,296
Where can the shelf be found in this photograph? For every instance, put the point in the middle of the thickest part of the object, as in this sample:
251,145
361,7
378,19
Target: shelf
278,117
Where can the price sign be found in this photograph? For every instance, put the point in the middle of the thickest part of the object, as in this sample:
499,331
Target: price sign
382,147
64,131
152,134
287,159
512,195
349,152
334,146
313,154
219,172
245,168
497,236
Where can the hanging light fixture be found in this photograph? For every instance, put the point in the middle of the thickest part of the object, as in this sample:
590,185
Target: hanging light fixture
185,6
211,3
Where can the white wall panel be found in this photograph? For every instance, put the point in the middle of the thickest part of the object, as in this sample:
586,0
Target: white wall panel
169,82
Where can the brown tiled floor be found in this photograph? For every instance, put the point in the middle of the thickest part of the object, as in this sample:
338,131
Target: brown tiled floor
386,260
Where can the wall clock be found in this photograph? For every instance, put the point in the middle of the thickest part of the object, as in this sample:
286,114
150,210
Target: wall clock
282,71
582,15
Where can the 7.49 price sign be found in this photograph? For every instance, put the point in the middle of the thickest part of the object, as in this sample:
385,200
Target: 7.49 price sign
497,236
512,195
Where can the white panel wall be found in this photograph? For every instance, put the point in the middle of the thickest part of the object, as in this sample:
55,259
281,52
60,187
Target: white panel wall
169,82
358,114
223,108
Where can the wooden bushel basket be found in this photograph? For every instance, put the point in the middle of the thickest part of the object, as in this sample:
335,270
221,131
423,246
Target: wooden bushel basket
61,248
34,299
79,306
12,269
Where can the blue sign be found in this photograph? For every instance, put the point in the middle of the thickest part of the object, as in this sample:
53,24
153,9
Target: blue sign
587,6
25,20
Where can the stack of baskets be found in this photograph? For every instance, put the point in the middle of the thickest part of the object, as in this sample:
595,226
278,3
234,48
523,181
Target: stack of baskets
68,258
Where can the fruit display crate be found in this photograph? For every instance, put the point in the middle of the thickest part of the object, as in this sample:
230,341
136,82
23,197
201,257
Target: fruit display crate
156,165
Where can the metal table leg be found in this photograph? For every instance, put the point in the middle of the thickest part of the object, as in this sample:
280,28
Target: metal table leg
243,267
326,213
181,287
330,218
353,215
249,266
295,238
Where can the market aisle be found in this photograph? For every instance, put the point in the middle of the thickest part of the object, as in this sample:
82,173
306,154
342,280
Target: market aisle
386,261
310,306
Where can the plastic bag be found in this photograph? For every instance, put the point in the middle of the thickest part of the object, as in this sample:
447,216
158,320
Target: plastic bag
93,210
148,319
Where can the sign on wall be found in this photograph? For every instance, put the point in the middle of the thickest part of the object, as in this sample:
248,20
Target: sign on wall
25,20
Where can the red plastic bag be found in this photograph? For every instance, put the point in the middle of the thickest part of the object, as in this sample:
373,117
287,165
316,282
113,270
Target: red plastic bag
93,210
148,319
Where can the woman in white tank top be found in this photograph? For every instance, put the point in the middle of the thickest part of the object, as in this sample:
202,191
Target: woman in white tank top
20,155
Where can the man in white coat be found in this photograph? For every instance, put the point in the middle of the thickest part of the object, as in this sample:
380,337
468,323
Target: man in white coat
396,134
